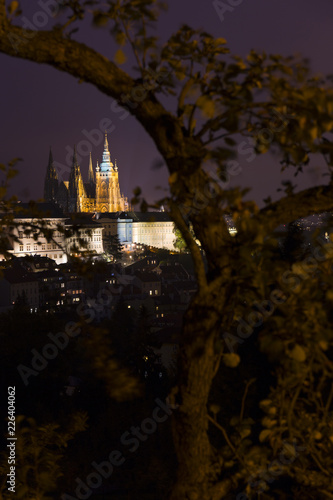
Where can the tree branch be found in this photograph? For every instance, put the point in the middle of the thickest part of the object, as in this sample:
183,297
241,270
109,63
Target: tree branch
310,201
192,245
86,64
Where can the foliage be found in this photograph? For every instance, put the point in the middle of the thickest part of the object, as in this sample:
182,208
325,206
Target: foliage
113,246
39,449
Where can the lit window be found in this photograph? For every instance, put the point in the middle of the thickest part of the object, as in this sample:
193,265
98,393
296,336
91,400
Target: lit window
150,292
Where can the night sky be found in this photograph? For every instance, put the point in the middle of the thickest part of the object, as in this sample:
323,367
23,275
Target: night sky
42,107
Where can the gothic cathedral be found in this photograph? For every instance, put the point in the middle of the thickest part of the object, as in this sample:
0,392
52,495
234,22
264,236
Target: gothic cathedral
100,194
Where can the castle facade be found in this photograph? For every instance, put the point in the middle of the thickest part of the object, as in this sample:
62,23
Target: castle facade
100,194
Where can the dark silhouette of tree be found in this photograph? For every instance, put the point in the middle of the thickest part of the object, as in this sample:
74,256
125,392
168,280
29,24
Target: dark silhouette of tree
293,244
113,246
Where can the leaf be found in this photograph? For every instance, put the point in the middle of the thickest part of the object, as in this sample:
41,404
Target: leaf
215,409
13,6
246,431
231,360
121,38
324,345
120,57
173,178
297,353
100,19
264,435
207,106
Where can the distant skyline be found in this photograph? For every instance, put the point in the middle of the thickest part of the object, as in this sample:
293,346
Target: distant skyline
42,107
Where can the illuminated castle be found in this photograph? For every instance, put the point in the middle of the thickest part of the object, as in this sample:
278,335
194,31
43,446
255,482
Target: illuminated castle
100,194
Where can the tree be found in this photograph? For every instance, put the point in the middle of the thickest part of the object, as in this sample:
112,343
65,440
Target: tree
179,243
225,105
293,244
113,246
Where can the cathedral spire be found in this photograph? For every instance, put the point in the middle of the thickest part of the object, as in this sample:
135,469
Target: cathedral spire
106,144
51,180
106,164
91,177
74,164
50,158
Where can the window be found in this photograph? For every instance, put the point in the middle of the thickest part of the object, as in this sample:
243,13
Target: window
28,248
150,292
43,246
21,248
35,246
156,292
49,246
20,234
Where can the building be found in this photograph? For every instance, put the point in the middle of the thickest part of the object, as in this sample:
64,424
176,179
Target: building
28,239
100,194
86,235
30,235
18,285
155,229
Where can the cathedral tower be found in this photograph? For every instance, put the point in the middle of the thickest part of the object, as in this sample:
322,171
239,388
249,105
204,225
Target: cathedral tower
108,197
51,181
76,189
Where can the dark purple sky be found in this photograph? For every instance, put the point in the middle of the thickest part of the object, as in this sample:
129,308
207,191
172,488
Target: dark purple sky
41,106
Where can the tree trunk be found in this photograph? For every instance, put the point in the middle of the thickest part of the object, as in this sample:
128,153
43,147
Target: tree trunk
196,469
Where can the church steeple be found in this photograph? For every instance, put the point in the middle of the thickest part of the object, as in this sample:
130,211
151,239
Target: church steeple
50,158
106,144
51,180
75,186
74,163
106,164
91,177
